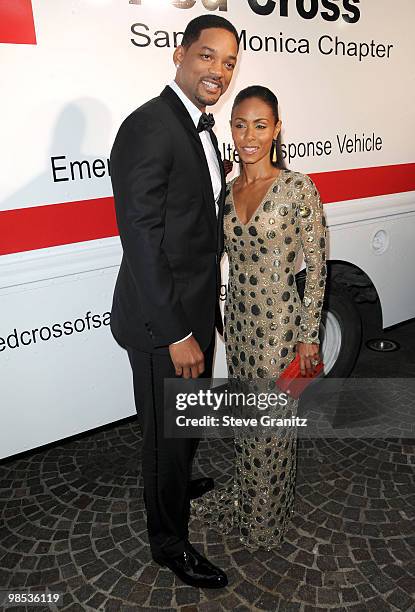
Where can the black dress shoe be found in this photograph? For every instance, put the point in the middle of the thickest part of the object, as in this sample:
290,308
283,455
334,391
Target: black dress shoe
200,486
194,569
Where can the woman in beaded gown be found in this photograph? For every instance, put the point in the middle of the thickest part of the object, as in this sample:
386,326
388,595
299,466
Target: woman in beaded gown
270,215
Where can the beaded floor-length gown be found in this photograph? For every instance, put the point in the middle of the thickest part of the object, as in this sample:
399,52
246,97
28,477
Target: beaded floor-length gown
264,319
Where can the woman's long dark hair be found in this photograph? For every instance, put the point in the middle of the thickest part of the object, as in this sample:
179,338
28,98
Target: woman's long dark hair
266,95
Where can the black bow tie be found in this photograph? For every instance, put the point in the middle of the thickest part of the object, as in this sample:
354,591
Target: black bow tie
206,122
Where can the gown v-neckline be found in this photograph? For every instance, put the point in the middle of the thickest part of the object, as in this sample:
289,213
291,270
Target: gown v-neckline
260,203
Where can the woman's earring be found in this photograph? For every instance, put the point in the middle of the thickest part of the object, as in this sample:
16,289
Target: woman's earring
274,151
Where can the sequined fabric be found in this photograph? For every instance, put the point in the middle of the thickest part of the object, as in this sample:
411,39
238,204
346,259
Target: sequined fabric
264,319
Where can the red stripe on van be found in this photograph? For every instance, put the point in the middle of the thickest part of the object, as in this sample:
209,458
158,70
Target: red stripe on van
364,182
16,22
39,227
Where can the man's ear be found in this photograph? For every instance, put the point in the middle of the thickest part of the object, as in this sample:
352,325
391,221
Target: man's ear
178,55
277,129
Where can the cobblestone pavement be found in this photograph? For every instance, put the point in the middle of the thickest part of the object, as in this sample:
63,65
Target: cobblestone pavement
72,519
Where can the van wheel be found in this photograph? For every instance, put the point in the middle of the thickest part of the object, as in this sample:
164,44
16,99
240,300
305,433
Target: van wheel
340,333
340,330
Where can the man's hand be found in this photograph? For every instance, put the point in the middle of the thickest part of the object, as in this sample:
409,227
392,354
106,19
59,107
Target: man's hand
309,357
187,358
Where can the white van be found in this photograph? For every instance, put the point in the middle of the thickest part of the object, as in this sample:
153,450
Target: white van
71,71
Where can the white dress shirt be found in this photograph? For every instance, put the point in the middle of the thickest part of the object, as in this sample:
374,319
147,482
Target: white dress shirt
207,143
209,149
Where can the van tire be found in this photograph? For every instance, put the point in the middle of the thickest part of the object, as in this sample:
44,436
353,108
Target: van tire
340,329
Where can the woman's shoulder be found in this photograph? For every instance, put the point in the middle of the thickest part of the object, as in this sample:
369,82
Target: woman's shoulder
303,183
300,178
229,185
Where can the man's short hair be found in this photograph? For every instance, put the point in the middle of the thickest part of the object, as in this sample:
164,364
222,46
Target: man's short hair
205,22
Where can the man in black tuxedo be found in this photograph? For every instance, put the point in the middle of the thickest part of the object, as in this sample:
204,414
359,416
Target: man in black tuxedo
169,183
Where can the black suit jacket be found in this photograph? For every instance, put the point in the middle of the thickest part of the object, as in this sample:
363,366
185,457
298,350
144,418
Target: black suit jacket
169,280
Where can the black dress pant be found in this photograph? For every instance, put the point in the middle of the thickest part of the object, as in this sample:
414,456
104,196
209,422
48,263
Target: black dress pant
166,462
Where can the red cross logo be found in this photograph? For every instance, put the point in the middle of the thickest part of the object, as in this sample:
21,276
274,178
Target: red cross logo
16,22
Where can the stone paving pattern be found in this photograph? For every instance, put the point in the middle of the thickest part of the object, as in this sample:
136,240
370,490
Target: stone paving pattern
72,519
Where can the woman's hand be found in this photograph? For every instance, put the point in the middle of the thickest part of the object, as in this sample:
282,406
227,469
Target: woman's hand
309,357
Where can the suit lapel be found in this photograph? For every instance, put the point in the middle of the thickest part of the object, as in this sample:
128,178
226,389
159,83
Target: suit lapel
221,201
180,110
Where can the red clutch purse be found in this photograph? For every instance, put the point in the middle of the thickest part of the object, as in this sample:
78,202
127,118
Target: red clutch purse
292,382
